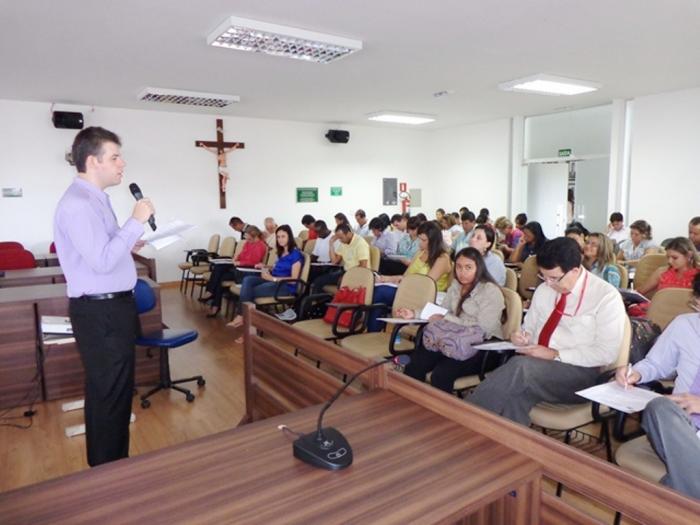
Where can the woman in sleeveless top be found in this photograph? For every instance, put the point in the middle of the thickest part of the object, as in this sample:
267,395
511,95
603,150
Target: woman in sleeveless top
682,267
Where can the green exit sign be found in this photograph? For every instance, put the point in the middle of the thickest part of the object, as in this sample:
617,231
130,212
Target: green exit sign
565,152
336,191
307,194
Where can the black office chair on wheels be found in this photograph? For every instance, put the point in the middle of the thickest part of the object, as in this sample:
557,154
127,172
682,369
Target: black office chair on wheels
164,340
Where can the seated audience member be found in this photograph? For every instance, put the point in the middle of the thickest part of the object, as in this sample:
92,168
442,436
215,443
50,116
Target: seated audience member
269,234
398,223
307,222
238,225
462,210
530,243
386,240
455,225
520,221
446,226
577,234
362,228
386,221
322,250
352,251
672,423
694,232
483,240
432,260
407,249
439,214
468,224
483,217
511,235
475,304
288,266
574,327
682,267
638,244
616,229
253,252
421,217
599,258
340,218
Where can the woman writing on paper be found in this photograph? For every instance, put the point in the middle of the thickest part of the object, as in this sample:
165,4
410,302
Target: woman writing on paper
475,304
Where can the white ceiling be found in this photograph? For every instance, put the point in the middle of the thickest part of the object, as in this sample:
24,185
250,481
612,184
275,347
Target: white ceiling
103,53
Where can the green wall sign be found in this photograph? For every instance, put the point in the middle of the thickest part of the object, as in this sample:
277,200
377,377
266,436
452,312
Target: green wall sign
565,152
336,191
307,194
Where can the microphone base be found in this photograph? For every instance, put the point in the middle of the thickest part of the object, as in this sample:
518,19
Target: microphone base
331,453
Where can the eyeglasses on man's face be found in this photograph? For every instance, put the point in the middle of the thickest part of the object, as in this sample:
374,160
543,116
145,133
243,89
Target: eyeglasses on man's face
550,279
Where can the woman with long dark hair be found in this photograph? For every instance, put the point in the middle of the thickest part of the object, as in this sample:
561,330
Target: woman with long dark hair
475,304
530,243
432,260
288,266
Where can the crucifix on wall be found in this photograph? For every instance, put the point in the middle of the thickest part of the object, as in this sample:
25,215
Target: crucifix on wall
221,149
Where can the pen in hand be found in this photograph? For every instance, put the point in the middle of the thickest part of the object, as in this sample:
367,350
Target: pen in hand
628,375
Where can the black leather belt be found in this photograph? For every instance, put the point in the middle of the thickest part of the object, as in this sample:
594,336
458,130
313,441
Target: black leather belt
105,296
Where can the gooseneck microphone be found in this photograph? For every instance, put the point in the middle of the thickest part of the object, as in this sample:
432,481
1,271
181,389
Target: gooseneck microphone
136,192
327,448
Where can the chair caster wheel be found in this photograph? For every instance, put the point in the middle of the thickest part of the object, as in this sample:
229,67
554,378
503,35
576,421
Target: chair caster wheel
190,398
145,403
201,382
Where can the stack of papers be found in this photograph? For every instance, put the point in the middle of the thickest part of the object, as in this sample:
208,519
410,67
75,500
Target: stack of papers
53,324
429,310
167,235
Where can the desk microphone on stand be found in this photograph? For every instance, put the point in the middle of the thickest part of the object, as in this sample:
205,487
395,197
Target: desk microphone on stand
327,448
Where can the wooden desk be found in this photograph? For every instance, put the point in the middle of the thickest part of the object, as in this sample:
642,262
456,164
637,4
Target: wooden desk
248,475
59,369
48,275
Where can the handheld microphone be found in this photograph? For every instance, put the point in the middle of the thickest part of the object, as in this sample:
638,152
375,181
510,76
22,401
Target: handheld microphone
327,448
136,192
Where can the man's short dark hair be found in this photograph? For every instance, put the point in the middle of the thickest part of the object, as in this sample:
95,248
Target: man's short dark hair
562,252
360,213
616,217
376,224
343,227
234,220
397,217
695,221
413,223
88,142
468,216
307,219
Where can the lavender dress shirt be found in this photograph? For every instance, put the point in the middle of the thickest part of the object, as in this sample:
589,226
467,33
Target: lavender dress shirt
676,350
94,252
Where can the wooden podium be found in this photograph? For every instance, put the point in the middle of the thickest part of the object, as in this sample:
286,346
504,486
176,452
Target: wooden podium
421,456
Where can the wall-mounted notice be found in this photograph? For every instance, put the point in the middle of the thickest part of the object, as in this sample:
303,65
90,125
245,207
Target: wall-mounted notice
307,194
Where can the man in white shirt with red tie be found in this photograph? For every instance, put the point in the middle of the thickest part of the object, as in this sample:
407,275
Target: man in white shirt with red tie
572,331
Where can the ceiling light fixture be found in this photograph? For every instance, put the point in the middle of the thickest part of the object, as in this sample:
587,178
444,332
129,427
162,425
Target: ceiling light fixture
261,37
550,85
187,98
394,117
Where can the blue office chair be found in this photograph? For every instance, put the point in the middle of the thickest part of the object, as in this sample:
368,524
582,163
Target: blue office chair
164,340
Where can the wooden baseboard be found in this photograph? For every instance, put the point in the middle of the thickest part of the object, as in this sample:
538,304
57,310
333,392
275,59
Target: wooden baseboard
169,284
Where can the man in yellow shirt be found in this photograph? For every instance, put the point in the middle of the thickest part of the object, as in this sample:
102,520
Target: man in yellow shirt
352,251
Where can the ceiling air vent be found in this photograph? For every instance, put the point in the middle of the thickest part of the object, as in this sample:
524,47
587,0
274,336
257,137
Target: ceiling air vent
187,98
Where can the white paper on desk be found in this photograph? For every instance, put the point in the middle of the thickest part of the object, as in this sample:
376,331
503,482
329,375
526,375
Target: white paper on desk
496,345
628,400
399,320
431,309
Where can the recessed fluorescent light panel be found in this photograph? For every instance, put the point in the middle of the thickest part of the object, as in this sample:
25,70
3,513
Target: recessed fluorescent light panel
187,98
261,37
550,85
394,117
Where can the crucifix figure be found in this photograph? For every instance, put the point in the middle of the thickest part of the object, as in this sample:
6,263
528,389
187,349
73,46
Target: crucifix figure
220,148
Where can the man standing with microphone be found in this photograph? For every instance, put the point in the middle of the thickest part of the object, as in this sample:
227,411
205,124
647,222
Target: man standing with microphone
95,254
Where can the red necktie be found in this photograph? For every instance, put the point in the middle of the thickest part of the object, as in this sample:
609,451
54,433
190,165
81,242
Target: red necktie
553,321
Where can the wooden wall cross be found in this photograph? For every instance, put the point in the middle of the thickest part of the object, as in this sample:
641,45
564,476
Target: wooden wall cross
220,148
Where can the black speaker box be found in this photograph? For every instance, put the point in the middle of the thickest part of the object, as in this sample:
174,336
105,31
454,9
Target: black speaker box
338,136
67,120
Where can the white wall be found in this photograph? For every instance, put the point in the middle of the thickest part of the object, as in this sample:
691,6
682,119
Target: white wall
664,167
181,179
470,166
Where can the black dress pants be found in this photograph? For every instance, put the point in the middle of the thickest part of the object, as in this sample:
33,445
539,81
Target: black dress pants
445,370
105,332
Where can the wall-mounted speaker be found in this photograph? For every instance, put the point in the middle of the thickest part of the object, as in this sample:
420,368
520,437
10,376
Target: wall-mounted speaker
67,120
338,136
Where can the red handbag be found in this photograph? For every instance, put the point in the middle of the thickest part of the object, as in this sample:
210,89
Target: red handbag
345,295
